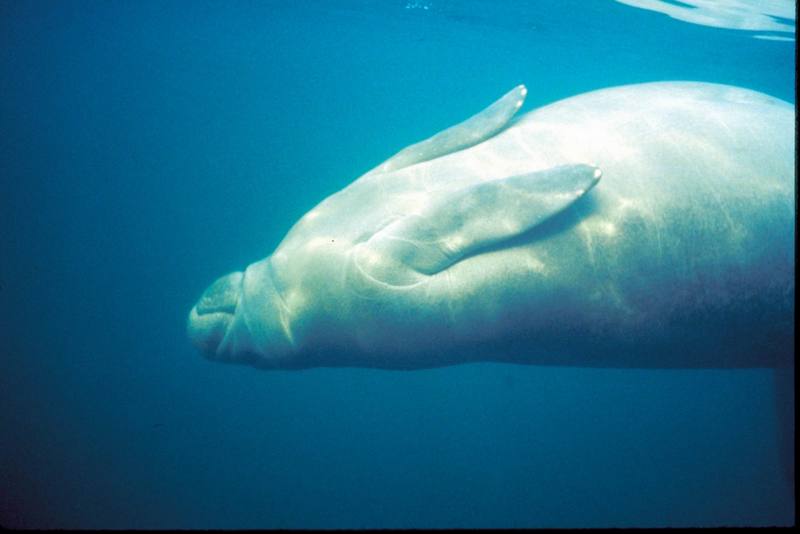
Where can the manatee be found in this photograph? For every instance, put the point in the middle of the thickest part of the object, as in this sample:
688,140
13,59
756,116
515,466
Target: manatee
641,226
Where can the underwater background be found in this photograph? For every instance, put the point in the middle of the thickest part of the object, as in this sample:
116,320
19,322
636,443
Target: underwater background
148,147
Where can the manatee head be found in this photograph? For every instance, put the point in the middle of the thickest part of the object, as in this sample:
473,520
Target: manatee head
211,319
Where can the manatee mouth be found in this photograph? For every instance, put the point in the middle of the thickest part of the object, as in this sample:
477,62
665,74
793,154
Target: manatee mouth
213,314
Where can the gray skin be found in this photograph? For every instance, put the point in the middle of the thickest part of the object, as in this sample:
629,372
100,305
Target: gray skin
497,240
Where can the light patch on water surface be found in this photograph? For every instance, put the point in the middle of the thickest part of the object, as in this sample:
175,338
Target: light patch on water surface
753,15
425,6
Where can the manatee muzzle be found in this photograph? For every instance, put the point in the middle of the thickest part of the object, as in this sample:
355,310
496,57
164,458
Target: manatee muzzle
214,312
222,296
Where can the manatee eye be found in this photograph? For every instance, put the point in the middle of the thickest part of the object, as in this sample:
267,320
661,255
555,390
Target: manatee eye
222,296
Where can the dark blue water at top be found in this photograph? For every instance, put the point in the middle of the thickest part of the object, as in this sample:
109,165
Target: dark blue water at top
149,147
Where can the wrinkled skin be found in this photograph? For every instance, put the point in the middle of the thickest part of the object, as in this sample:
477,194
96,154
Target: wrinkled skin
498,240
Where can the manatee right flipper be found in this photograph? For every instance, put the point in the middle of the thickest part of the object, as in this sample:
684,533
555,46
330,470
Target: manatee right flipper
472,131
469,219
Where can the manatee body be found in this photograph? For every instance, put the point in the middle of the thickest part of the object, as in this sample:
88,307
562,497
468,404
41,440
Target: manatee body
647,226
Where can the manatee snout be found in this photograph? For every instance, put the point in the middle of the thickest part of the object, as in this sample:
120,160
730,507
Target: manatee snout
213,314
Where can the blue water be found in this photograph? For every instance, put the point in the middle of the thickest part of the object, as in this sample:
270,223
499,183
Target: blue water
148,147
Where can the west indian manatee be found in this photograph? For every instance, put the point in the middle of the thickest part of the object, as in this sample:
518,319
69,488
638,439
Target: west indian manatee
498,240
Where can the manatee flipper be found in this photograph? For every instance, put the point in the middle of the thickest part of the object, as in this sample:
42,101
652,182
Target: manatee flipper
472,218
472,131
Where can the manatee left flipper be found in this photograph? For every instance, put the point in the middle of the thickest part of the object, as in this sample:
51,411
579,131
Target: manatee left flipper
475,217
472,131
